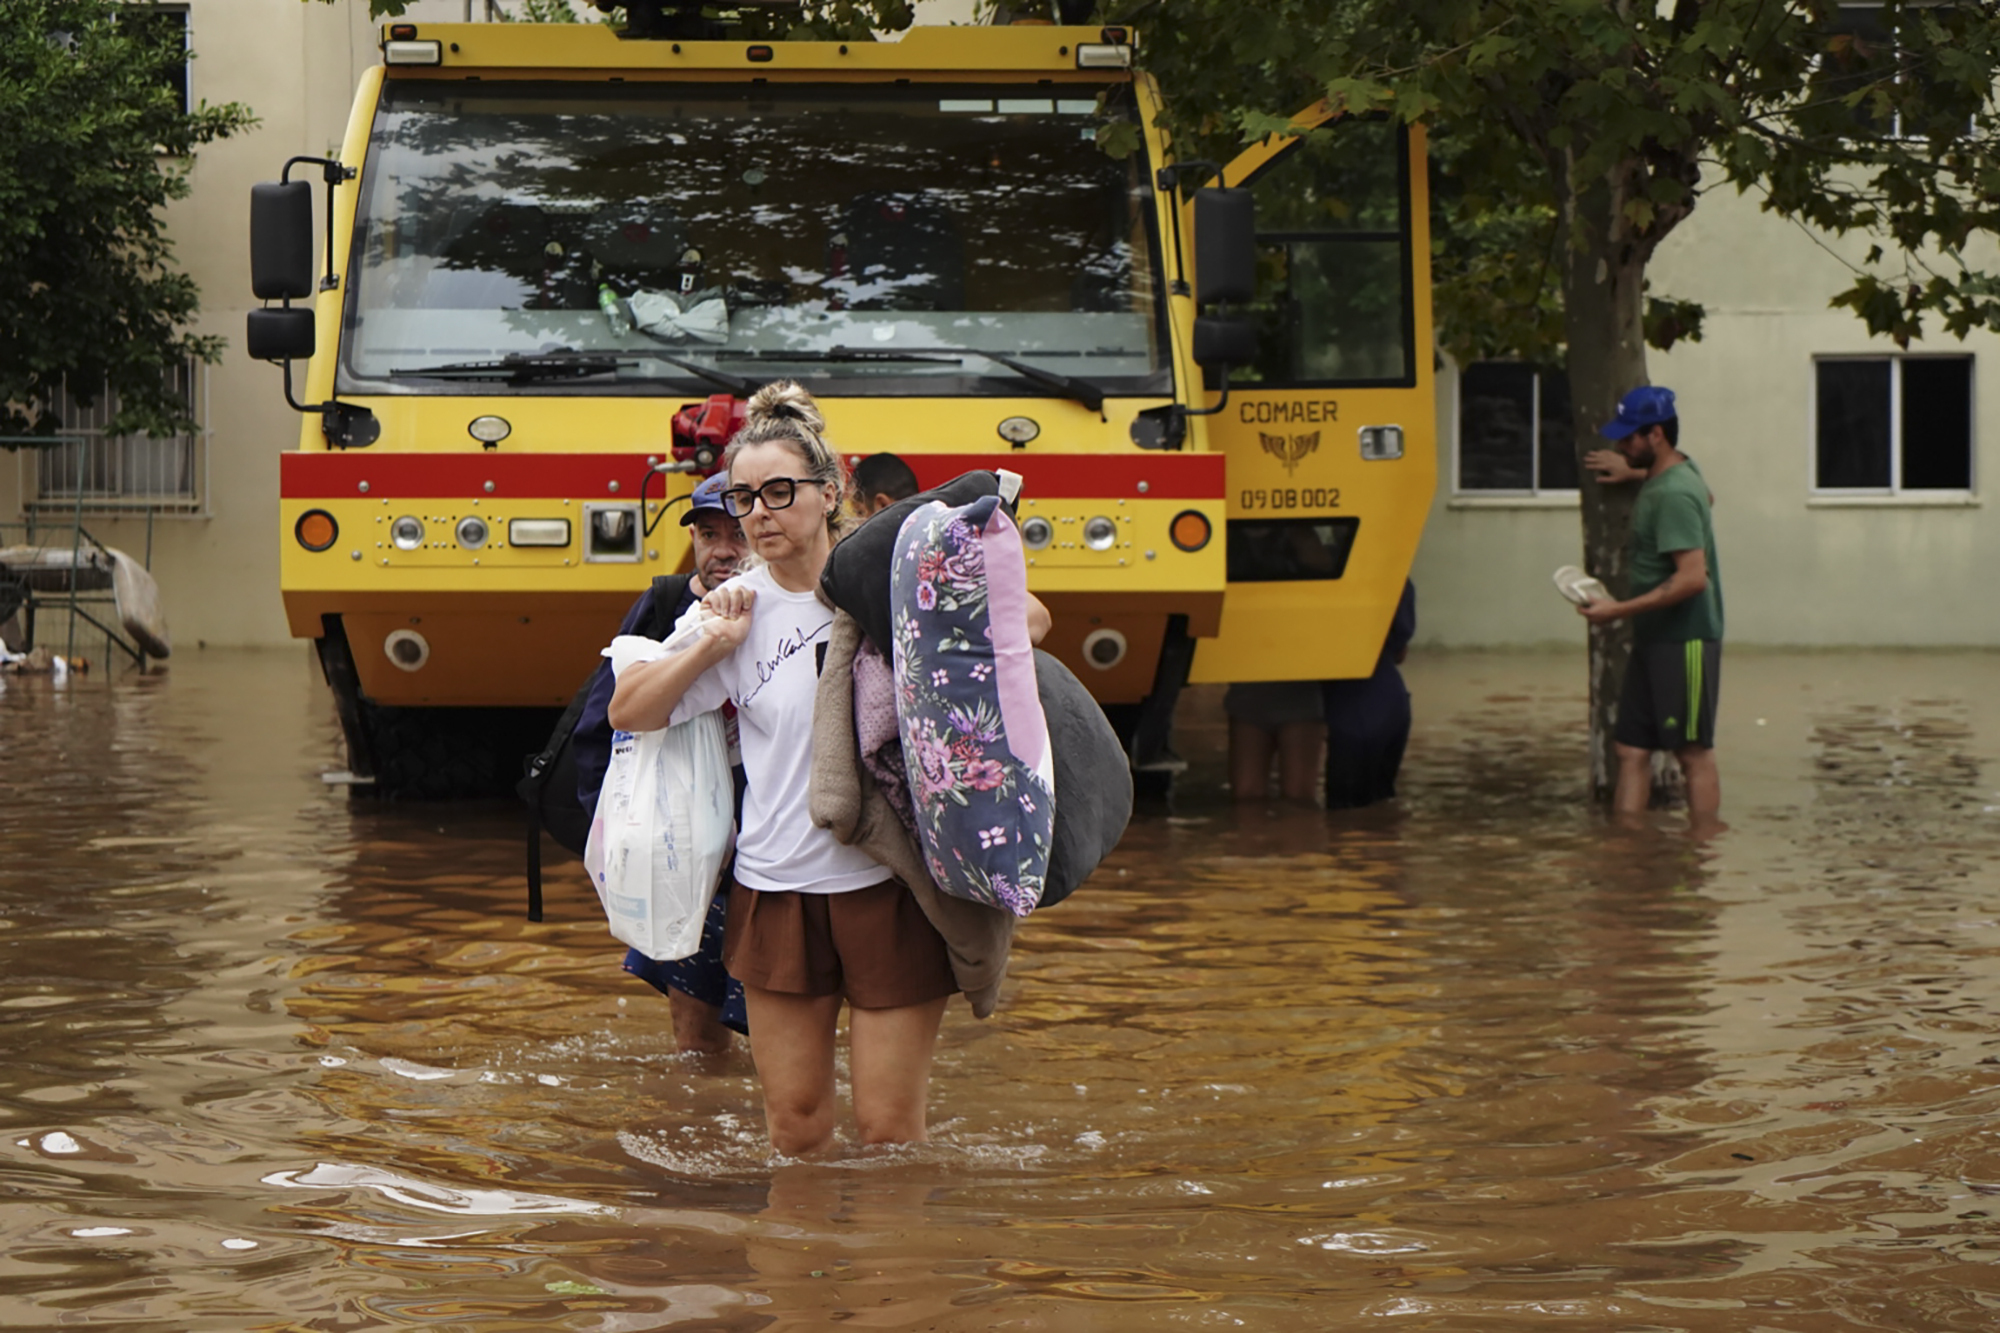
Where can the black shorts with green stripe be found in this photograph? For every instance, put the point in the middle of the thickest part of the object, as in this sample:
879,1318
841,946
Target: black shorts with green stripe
1670,695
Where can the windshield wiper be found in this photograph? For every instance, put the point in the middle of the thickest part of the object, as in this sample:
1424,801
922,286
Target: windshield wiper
1082,391
736,384
850,354
516,368
529,367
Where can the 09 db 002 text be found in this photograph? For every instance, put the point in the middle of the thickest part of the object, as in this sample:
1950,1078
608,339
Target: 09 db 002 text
1289,497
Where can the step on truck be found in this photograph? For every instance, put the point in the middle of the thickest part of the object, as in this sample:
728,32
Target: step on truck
551,261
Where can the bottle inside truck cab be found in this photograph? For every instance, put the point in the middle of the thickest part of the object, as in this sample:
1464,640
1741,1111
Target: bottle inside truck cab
554,260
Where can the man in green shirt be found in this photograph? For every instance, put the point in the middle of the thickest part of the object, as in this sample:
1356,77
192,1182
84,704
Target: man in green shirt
1672,682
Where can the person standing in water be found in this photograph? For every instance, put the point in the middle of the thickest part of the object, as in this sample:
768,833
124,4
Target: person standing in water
1368,720
811,923
1674,678
1273,718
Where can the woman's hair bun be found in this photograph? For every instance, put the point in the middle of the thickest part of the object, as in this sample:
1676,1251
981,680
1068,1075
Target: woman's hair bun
784,400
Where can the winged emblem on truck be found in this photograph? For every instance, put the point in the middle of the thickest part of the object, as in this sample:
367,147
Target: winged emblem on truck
1289,449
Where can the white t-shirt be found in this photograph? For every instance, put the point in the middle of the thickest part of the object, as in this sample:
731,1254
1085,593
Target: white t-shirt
772,679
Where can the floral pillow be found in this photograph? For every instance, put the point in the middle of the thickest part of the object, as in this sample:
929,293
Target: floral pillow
975,740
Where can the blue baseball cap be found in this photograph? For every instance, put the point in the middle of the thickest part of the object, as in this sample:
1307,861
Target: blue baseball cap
707,497
1647,405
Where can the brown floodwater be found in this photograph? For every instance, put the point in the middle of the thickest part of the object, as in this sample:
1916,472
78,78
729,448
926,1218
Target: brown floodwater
279,1061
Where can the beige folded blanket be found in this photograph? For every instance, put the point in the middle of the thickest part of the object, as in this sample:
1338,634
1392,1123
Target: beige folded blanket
846,802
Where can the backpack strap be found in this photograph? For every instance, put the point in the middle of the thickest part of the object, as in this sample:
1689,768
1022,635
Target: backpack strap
535,856
534,782
668,590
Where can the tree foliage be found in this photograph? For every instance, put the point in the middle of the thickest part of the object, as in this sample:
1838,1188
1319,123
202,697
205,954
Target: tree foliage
540,11
1550,117
93,142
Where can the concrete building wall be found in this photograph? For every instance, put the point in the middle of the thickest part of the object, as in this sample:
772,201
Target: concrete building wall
1799,569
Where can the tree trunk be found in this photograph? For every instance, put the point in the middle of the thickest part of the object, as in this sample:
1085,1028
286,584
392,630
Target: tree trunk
1604,306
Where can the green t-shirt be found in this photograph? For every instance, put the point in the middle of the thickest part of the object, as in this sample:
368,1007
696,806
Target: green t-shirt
1672,514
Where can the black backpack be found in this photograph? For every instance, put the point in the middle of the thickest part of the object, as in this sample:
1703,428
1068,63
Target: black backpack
548,781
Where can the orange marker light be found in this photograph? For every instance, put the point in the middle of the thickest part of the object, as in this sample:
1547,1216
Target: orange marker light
1190,530
316,530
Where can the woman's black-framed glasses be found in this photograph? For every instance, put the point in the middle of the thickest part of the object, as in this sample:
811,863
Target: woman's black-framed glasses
777,493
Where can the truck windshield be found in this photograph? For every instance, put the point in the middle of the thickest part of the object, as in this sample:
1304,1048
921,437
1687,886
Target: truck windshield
760,231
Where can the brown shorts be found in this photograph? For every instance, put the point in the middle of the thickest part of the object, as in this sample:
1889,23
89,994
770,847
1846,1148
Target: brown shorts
874,946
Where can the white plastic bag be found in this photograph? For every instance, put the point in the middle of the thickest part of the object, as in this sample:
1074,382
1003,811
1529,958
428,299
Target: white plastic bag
664,825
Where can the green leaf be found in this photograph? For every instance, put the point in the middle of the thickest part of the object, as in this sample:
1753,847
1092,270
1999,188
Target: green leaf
1119,139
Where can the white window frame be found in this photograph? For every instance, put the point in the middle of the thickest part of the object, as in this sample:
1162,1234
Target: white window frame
1894,491
98,453
1535,494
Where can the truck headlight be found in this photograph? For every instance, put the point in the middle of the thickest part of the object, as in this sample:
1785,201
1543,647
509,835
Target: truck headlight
1100,534
472,532
1037,532
407,532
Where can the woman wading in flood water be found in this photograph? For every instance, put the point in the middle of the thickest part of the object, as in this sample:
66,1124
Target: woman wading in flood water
811,921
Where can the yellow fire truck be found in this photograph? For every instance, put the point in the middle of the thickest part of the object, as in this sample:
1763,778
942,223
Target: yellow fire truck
552,259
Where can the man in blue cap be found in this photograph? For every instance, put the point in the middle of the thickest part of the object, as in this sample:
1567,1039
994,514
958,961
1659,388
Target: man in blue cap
1673,679
706,1002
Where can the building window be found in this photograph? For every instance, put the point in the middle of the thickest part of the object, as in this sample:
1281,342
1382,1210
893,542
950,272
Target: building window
112,473
1890,424
168,26
1514,430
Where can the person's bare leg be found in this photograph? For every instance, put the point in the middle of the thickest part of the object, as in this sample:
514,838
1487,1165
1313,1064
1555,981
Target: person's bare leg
1704,779
889,1055
1300,748
1635,781
1249,761
697,1025
791,1039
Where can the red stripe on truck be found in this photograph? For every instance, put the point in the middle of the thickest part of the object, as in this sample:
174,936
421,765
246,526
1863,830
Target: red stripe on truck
1086,476
319,476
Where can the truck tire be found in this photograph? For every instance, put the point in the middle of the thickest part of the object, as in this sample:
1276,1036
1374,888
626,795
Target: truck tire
436,754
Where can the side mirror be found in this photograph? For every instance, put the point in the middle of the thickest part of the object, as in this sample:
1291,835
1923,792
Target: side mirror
1224,342
284,333
281,240
1225,247
281,269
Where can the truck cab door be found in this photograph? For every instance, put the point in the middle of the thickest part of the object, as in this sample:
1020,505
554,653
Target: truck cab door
1330,437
